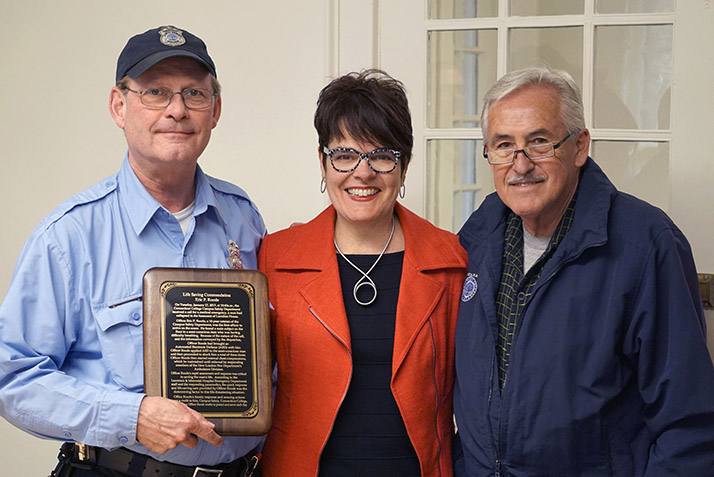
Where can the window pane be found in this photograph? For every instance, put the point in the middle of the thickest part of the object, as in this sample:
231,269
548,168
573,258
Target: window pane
458,179
634,6
633,77
462,66
526,8
638,168
560,48
440,9
464,204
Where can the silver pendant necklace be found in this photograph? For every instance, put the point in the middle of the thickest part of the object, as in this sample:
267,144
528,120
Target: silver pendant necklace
365,281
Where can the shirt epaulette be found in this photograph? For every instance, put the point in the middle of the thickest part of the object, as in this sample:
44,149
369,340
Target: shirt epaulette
227,187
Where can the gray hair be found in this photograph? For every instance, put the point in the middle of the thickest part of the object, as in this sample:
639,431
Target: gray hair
571,102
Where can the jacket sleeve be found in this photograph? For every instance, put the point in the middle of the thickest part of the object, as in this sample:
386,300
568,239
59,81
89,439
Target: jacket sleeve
39,329
666,342
264,266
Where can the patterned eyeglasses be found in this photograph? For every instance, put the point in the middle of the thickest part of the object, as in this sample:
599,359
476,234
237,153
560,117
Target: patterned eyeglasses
346,159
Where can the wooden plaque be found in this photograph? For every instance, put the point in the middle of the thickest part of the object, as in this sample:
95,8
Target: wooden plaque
207,344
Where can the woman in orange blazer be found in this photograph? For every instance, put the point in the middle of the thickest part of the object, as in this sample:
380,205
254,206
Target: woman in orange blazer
364,302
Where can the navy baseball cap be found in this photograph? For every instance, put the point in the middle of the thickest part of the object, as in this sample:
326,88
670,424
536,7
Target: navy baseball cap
146,49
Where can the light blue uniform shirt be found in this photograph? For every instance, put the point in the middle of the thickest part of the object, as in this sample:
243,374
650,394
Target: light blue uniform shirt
71,363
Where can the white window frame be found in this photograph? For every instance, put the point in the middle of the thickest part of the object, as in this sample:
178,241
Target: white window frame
588,21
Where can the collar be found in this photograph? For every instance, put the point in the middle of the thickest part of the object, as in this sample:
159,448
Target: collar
141,206
595,196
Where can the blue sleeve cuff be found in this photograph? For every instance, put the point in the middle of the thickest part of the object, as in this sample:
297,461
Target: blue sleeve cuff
118,416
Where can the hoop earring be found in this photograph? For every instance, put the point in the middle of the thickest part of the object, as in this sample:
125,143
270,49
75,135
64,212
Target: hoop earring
323,186
402,190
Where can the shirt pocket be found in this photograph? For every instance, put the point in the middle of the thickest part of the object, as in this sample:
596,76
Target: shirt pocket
121,338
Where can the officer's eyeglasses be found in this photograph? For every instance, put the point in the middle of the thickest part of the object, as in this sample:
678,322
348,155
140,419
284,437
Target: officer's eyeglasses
157,97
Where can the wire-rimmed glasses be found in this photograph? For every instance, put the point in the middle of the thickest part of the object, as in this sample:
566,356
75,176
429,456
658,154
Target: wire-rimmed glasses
159,97
533,152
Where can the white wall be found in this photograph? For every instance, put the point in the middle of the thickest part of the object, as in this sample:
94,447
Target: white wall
691,164
57,137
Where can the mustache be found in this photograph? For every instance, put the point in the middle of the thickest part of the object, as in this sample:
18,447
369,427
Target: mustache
529,177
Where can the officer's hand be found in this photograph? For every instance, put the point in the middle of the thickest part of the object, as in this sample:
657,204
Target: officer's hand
164,424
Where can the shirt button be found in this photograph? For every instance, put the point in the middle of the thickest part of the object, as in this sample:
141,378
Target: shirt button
136,316
67,434
109,184
123,439
521,296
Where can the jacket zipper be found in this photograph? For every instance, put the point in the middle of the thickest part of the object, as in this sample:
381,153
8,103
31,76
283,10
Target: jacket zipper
344,394
436,393
505,382
502,417
497,458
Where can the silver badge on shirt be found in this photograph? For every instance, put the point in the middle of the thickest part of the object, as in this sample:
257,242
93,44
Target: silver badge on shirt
234,258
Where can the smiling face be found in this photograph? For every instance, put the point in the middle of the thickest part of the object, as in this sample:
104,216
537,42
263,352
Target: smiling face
361,197
169,139
538,191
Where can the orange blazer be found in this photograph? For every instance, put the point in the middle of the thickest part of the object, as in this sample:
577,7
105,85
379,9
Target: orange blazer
311,341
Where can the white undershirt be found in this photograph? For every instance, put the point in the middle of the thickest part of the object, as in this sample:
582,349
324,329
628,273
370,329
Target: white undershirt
184,216
533,248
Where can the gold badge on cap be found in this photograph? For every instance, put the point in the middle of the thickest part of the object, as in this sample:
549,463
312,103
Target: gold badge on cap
171,36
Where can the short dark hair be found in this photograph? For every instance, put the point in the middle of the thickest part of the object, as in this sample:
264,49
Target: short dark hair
370,106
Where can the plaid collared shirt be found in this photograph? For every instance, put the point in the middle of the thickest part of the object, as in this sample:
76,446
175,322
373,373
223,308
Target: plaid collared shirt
515,289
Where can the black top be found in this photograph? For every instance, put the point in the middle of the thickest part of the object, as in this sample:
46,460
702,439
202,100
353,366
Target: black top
368,436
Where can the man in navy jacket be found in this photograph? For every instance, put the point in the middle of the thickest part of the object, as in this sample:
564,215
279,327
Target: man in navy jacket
580,344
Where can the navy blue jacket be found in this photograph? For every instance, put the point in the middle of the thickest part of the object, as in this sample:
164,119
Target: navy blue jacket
609,371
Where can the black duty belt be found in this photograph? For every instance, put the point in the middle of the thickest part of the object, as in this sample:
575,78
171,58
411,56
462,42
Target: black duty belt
140,465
